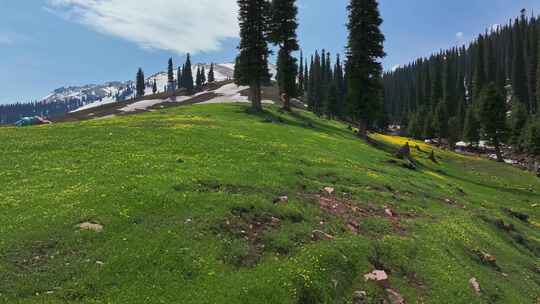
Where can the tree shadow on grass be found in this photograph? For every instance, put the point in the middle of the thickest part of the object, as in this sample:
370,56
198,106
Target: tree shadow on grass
297,119
514,191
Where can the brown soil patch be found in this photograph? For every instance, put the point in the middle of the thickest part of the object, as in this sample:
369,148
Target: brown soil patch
352,214
252,228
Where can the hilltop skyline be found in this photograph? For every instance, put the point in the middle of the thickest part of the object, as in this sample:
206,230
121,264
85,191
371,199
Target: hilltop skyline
49,44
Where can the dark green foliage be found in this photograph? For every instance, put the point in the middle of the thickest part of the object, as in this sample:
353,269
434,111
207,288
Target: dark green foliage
170,74
252,62
519,75
517,120
454,132
301,79
364,70
531,136
440,120
283,25
154,87
199,78
140,83
203,75
187,76
179,77
507,57
211,77
492,114
471,128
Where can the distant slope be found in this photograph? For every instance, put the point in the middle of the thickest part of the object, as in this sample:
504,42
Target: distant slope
210,204
78,98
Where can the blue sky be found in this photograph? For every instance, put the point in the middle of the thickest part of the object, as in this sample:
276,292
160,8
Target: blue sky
46,44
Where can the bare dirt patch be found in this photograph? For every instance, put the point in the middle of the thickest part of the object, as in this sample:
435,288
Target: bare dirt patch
352,212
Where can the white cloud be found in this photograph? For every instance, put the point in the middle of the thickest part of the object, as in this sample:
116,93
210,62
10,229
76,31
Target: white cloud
460,36
175,25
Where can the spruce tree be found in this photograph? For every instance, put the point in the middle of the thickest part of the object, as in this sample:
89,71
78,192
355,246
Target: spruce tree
203,75
187,75
492,114
339,81
471,129
252,62
170,75
364,49
140,83
517,120
154,87
179,77
283,25
519,77
300,89
440,121
198,78
211,76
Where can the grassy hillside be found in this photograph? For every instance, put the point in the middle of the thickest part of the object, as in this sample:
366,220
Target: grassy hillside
186,197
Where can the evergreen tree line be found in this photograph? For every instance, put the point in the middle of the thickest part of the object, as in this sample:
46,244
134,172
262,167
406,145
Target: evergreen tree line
488,90
11,113
323,85
184,78
352,91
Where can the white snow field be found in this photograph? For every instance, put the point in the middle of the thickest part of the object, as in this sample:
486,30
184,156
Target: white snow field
231,93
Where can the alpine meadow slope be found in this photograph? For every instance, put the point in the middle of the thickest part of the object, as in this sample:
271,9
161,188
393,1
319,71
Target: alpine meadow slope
212,204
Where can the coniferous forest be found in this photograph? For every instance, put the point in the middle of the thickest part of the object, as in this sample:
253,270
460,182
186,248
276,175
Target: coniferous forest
487,90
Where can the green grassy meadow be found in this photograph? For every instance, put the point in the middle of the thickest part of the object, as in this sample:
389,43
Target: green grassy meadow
186,200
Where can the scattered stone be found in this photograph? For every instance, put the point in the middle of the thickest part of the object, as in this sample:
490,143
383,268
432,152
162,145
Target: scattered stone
388,212
318,235
394,297
376,275
359,297
90,226
329,190
281,199
100,263
475,285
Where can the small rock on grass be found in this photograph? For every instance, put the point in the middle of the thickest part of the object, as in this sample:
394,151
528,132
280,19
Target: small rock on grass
319,235
281,199
475,285
359,297
376,275
328,190
90,226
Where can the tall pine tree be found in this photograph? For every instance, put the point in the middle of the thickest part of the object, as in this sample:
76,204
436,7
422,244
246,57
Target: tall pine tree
493,117
252,62
211,76
283,34
364,49
170,75
187,76
140,83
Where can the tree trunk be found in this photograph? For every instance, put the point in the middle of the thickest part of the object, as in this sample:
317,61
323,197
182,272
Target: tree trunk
362,129
286,102
498,150
255,96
